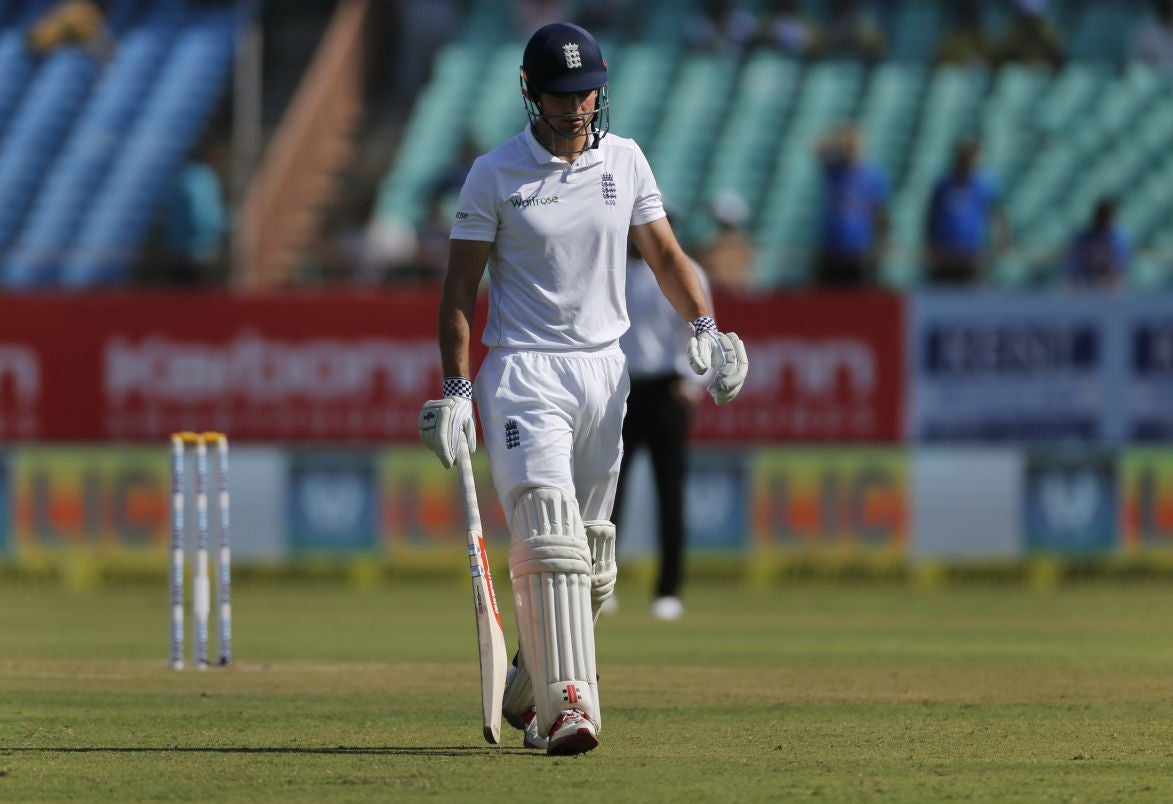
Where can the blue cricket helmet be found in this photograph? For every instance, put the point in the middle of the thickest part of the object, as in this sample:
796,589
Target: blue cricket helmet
562,58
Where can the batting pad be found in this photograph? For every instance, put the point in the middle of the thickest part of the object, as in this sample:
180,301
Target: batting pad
519,691
550,566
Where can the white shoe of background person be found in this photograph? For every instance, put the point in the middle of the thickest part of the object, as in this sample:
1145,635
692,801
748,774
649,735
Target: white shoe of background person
667,608
572,733
609,606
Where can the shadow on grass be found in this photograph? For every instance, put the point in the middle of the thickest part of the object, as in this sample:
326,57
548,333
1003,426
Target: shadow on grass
388,750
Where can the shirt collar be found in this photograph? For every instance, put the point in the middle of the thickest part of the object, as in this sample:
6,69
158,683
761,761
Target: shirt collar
543,157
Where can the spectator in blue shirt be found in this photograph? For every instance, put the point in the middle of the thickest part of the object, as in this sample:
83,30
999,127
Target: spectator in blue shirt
1100,253
855,212
961,211
195,221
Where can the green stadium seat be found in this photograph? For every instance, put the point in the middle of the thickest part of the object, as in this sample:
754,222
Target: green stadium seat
497,111
704,82
639,86
743,152
432,136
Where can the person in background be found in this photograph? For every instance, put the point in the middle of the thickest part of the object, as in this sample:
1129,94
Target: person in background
855,212
1031,38
453,176
1153,42
728,258
530,15
851,34
965,40
659,408
195,221
786,29
421,28
720,26
1100,253
962,210
72,22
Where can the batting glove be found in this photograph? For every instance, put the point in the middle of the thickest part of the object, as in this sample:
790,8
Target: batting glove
443,420
709,348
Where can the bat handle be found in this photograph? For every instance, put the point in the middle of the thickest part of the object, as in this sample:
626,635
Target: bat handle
468,485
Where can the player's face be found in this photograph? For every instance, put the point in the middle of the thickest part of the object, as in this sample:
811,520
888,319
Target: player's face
569,114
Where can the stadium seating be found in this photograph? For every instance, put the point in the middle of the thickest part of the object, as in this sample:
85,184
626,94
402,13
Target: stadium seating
165,129
89,151
118,131
1056,140
86,158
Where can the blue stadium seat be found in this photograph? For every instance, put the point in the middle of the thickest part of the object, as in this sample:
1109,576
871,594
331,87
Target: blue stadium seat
37,129
182,97
71,185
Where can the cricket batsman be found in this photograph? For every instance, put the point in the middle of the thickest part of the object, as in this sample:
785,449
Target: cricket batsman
550,212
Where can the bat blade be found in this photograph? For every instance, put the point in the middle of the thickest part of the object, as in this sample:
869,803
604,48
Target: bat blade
493,658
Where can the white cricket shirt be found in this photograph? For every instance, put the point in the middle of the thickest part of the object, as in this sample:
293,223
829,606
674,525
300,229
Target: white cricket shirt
559,234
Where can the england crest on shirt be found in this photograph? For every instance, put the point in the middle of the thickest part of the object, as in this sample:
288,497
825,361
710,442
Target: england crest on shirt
610,195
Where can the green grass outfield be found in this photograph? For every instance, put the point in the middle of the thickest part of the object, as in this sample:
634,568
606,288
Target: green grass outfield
817,691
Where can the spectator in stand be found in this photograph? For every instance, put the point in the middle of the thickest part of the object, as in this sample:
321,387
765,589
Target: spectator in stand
618,18
452,179
71,22
962,211
728,258
787,30
852,34
1100,253
431,257
1032,38
195,221
422,28
855,212
530,15
965,41
1153,42
720,25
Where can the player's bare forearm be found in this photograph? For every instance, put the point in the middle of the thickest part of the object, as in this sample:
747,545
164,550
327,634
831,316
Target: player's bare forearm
657,244
466,264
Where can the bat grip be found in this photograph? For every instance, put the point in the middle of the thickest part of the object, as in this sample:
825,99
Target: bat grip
468,486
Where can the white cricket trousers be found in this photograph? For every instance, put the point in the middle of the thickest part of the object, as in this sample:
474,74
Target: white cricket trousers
554,419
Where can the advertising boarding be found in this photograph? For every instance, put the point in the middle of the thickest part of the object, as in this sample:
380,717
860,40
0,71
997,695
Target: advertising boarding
332,501
333,367
89,497
5,518
1147,492
1070,501
823,368
1149,391
829,498
1015,368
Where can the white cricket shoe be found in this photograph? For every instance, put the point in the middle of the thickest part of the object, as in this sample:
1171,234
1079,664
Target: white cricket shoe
667,608
572,733
531,738
610,605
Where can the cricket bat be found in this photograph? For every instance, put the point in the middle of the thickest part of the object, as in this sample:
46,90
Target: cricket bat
490,636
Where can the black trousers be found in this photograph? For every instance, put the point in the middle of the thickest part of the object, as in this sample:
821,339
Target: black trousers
659,420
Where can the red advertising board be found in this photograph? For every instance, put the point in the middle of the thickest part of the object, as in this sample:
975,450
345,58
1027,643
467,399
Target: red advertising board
823,367
138,366
352,367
